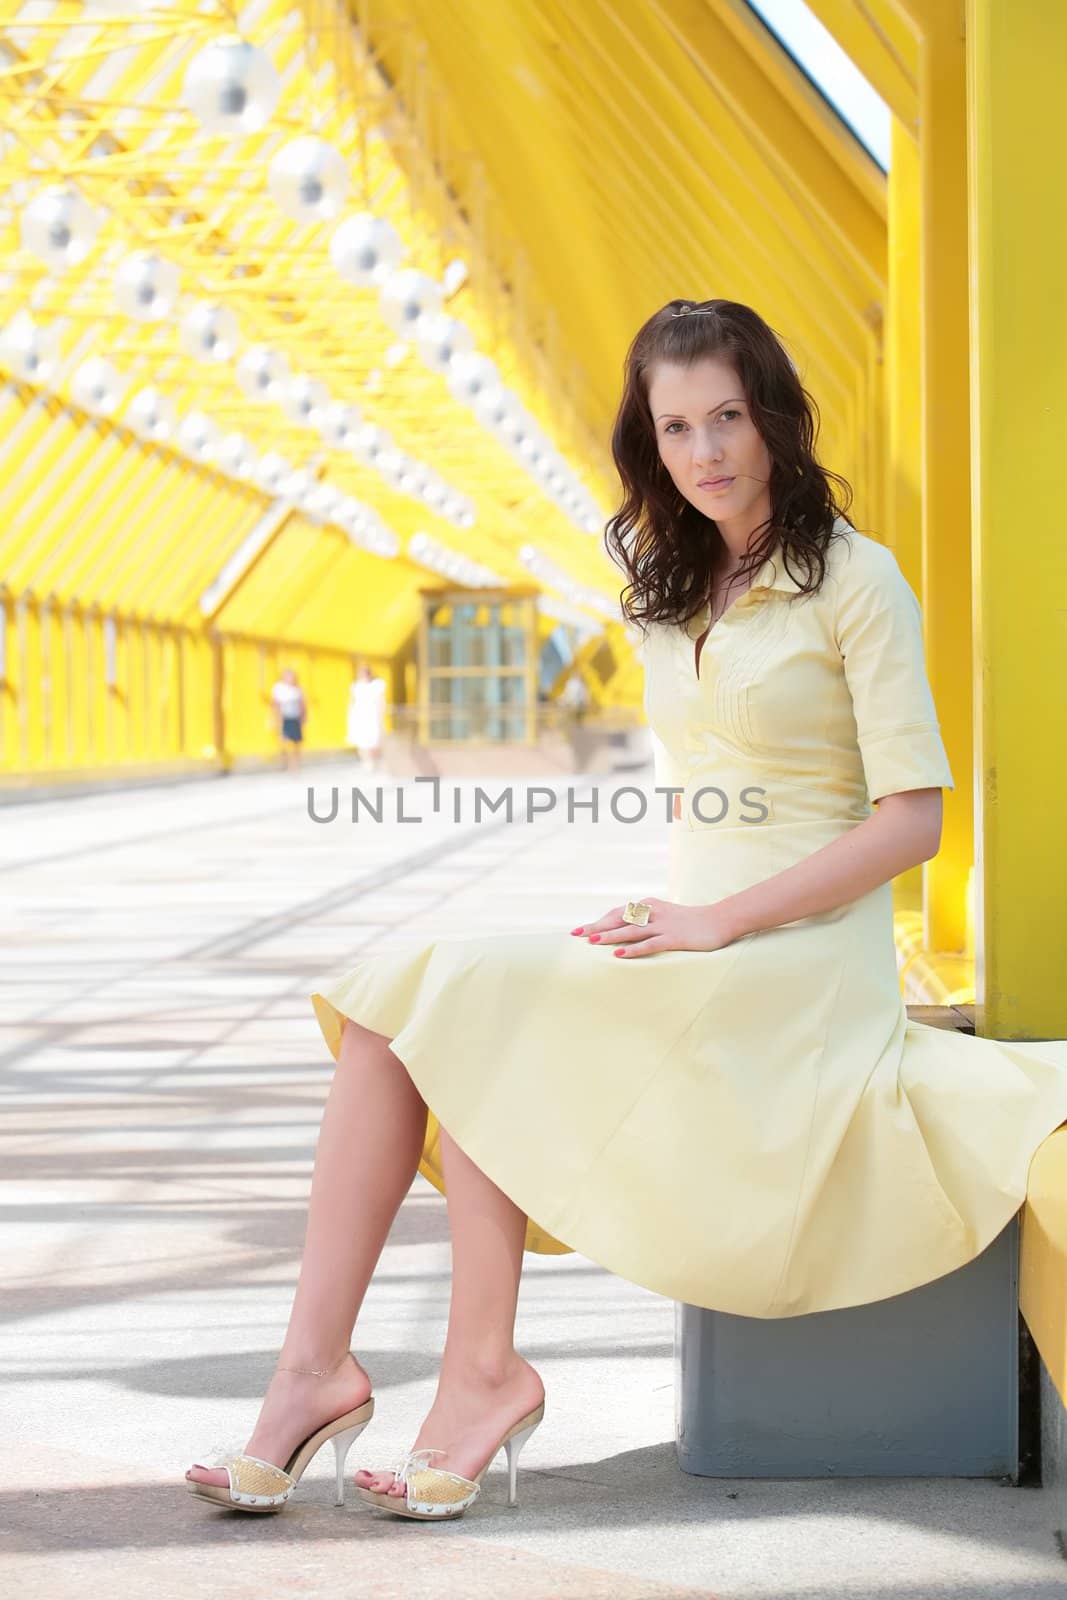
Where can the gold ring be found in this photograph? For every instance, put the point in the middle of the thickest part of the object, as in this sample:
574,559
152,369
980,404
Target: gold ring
637,911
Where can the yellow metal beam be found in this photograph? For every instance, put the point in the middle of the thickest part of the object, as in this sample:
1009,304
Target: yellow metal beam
777,123
946,492
1018,91
904,361
882,44
726,190
788,80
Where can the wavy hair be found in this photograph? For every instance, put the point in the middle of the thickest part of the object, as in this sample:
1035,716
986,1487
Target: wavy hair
668,549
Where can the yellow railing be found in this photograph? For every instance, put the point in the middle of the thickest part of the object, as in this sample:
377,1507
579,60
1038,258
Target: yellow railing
85,691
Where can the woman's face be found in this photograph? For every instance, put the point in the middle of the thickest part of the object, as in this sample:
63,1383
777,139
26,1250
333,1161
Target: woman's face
704,431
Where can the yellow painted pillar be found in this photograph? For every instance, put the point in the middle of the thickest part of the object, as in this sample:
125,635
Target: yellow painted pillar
946,496
903,361
877,451
219,705
1017,69
903,389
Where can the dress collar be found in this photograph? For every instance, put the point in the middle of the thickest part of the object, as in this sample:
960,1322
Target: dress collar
771,575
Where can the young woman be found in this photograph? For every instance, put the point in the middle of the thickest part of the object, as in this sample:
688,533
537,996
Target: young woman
717,1094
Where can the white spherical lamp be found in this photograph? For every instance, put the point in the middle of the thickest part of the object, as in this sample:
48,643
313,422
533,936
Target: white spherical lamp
59,226
97,386
308,179
365,249
231,87
406,297
146,286
210,332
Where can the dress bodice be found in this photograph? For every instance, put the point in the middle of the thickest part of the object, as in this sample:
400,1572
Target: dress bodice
807,708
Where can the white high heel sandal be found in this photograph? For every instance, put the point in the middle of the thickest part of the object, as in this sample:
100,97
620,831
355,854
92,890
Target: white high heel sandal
260,1486
434,1494
257,1485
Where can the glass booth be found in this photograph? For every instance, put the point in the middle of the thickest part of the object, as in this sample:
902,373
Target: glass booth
477,666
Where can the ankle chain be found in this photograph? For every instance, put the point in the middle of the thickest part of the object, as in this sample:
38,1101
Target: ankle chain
316,1372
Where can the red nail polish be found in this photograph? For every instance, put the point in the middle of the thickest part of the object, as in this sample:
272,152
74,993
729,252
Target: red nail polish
593,937
620,952
577,930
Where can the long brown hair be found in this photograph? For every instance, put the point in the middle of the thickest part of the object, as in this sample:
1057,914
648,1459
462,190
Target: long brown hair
667,548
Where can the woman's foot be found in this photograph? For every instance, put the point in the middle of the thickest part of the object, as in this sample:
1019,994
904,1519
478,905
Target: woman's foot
472,1411
296,1405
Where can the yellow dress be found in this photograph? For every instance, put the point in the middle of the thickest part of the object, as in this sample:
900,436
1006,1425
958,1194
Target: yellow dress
758,1129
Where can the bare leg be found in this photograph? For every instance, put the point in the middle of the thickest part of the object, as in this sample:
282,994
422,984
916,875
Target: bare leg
483,1386
368,1152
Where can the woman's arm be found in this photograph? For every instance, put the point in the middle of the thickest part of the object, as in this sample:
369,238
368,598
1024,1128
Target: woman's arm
904,830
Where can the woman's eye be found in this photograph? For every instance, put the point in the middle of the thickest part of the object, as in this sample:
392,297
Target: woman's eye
731,411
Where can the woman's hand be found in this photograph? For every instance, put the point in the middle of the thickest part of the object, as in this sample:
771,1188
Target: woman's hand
670,927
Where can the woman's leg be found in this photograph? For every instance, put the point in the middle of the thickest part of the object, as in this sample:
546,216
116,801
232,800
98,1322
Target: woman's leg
483,1386
368,1152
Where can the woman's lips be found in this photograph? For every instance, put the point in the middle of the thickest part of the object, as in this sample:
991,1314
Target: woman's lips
714,483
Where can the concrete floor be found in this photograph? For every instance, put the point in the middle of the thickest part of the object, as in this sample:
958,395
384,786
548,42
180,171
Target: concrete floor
163,1077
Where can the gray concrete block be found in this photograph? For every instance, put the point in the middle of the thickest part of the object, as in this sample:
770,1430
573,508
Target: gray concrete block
921,1384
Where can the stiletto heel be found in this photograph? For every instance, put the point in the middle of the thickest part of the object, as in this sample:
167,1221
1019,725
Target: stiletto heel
513,1446
434,1494
342,1442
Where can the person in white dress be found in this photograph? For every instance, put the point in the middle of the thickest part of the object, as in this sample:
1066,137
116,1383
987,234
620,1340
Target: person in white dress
366,717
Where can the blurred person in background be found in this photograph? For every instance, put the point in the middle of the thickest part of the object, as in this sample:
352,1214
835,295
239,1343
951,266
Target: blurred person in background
289,707
366,717
575,696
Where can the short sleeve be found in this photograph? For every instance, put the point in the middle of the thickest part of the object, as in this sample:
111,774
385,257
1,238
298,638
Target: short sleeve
878,627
